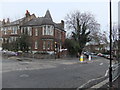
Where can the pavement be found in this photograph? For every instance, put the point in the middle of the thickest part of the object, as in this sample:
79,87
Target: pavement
19,64
22,63
115,84
104,85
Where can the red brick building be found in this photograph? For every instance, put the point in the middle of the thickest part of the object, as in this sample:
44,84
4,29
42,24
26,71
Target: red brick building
43,32
11,30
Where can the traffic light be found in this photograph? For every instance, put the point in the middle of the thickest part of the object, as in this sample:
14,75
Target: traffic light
56,46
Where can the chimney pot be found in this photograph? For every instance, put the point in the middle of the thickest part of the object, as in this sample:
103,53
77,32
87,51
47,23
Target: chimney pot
62,22
3,22
27,13
8,20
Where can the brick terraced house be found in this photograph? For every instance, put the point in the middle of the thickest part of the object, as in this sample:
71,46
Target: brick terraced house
11,30
44,34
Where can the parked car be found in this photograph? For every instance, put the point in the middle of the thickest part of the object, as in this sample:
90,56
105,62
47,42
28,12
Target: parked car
9,53
93,55
106,56
100,54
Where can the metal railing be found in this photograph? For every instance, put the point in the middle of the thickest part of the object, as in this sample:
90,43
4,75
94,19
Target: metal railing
115,71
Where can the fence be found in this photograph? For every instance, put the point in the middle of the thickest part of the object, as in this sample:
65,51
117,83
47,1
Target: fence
115,71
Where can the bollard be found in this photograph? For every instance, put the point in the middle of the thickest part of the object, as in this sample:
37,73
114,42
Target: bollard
81,58
89,57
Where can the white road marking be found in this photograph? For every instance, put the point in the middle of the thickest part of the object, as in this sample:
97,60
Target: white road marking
101,63
106,72
100,84
24,75
93,80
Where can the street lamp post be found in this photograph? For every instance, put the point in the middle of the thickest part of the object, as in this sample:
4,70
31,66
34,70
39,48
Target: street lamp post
110,67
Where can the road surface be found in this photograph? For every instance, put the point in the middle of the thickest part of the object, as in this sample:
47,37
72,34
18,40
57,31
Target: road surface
51,73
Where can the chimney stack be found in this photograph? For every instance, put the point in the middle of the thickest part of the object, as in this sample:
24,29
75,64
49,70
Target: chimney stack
62,23
3,22
8,20
27,13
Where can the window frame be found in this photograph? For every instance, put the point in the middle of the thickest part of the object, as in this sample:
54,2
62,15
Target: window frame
36,44
36,31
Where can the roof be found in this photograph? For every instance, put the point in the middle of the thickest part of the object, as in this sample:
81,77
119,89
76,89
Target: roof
46,20
39,21
20,21
17,22
48,15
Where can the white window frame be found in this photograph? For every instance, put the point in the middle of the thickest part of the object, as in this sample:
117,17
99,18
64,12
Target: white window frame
44,45
2,29
51,30
16,29
6,40
9,40
21,30
48,31
42,30
24,30
29,30
13,30
36,31
36,45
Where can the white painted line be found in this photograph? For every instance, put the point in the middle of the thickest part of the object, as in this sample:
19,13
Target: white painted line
89,82
24,75
106,72
82,86
101,63
101,84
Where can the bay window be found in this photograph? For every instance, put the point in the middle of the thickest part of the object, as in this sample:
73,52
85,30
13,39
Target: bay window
48,30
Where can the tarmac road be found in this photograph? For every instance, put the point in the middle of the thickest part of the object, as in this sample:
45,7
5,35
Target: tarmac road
52,73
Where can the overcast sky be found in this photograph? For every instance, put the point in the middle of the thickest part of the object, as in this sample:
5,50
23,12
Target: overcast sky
15,10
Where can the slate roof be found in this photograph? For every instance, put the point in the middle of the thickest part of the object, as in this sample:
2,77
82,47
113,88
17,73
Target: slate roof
47,15
39,21
16,22
46,20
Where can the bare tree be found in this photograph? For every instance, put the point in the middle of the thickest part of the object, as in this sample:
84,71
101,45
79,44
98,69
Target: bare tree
118,43
115,32
115,40
82,26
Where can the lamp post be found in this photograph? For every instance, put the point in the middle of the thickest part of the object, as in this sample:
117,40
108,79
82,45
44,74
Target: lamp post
110,67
